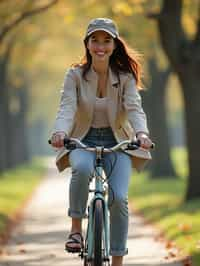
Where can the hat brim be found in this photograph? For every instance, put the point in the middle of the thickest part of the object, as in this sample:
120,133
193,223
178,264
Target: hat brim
101,29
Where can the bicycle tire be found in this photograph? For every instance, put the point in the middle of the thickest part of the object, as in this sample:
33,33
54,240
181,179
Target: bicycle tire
97,231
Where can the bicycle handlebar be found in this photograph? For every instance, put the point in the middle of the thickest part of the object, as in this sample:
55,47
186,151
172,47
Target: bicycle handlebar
72,144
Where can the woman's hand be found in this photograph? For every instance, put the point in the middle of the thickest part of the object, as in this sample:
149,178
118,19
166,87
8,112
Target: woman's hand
57,139
145,141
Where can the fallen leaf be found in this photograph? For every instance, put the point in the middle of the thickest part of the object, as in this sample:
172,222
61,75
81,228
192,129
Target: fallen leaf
184,227
172,254
22,250
169,244
187,261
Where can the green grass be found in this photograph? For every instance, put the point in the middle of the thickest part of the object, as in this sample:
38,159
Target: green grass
162,202
15,187
179,159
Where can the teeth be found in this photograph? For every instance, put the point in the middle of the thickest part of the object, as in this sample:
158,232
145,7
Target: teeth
100,53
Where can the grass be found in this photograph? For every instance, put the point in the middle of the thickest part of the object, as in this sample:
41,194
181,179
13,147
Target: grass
162,202
15,187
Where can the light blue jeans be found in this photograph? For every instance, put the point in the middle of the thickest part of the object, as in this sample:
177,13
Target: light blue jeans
82,163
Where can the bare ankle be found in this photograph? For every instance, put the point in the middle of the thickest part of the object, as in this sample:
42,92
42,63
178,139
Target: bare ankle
117,260
76,225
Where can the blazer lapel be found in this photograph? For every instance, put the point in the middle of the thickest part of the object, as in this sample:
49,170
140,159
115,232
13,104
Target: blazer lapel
112,94
91,90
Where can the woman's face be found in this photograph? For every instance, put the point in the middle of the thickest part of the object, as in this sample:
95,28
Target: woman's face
100,45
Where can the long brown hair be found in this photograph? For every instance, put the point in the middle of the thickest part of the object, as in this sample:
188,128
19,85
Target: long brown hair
123,60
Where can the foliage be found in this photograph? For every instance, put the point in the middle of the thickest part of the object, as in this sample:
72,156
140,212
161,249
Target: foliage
161,202
48,43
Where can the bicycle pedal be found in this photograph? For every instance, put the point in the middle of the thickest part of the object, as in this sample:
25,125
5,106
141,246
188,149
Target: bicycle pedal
72,250
81,255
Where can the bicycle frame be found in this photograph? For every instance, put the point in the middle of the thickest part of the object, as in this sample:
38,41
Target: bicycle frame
72,143
99,194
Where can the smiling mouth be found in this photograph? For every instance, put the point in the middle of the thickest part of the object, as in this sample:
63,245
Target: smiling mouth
100,53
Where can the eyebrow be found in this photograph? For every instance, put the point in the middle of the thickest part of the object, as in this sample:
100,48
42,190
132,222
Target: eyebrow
106,37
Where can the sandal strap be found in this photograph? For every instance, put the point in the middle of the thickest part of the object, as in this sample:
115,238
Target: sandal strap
72,239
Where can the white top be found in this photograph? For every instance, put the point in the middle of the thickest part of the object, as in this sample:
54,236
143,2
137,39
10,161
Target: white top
100,116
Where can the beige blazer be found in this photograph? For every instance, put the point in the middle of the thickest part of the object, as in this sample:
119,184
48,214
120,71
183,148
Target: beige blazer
125,112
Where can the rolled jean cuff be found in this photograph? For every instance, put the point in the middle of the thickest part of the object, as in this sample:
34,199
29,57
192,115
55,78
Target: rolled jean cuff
75,214
118,252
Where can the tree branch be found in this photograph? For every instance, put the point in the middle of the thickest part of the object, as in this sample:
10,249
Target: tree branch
171,32
22,17
197,36
5,58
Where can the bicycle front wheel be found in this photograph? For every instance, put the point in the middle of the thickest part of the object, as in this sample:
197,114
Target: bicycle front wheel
97,231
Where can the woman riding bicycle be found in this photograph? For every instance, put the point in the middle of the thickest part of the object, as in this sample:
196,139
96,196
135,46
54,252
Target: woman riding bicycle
100,104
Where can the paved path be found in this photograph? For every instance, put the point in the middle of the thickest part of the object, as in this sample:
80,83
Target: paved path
39,239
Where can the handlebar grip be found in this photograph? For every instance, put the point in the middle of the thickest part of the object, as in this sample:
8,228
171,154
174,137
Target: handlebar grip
66,141
152,145
137,143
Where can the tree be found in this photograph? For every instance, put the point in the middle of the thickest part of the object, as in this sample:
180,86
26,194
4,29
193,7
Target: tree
19,17
11,17
155,106
4,106
184,56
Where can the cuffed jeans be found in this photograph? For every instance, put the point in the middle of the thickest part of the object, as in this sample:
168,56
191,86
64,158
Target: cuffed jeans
82,163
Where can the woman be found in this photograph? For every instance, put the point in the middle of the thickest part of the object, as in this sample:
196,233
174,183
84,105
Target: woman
100,105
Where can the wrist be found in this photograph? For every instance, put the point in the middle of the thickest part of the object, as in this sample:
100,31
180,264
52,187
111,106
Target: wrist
59,133
141,133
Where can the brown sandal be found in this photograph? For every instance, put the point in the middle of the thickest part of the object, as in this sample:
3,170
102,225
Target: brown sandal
74,240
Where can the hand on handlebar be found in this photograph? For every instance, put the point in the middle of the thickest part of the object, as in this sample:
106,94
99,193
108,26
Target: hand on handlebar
144,141
57,139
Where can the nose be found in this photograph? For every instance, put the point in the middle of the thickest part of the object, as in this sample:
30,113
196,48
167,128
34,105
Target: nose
100,47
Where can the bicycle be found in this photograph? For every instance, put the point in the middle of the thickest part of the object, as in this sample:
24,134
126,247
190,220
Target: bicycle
96,246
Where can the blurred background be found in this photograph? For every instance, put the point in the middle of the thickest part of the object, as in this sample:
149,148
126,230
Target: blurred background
39,40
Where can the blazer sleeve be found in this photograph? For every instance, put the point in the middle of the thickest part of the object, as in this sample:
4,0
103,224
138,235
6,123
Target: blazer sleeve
68,104
133,106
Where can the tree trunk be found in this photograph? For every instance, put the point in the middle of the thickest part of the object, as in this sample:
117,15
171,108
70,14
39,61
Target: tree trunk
154,101
3,115
4,111
19,143
184,56
22,121
191,83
